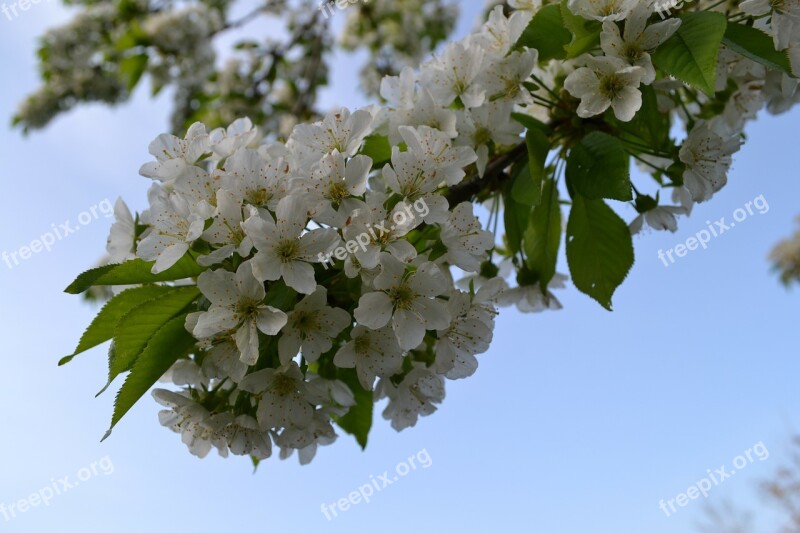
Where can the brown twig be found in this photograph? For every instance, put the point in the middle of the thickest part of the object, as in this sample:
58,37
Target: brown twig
493,179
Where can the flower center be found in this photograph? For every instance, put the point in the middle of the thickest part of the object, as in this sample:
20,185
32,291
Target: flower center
259,197
512,87
611,85
460,86
608,9
283,385
248,308
288,250
631,52
362,344
482,136
401,297
305,322
338,191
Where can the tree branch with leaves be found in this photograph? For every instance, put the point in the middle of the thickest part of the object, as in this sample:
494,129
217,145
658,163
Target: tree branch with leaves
288,275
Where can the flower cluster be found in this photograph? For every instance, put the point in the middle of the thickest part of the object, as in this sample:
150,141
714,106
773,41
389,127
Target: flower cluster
261,218
73,69
346,264
742,87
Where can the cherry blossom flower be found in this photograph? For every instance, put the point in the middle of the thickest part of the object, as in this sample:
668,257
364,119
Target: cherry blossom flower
237,304
284,251
372,352
311,326
638,39
606,82
405,299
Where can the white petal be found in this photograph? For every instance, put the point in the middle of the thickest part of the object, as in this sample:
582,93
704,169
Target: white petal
316,242
409,329
170,256
434,313
215,320
374,310
247,341
270,320
299,276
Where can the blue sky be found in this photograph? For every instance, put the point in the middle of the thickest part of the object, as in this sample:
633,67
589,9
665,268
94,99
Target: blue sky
580,420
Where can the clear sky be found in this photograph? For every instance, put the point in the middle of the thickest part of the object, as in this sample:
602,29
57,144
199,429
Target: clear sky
576,421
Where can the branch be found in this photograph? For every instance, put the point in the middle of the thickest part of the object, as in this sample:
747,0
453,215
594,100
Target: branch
493,179
234,24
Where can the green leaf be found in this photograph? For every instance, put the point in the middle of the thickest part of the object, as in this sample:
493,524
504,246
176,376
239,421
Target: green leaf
515,218
543,235
599,249
377,147
531,123
167,345
131,69
280,296
599,167
105,323
135,328
691,53
134,272
527,187
135,36
358,420
754,44
523,189
585,33
547,34
649,127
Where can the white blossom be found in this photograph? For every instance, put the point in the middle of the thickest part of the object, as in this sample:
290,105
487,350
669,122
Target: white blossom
417,395
453,75
407,300
606,82
464,238
173,229
237,304
467,336
284,251
531,298
192,421
661,217
226,141
638,39
341,131
490,123
281,395
311,326
174,155
602,10
258,181
121,242
332,186
372,352
707,156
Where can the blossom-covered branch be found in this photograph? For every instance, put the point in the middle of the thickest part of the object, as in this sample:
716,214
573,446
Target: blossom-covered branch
226,283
